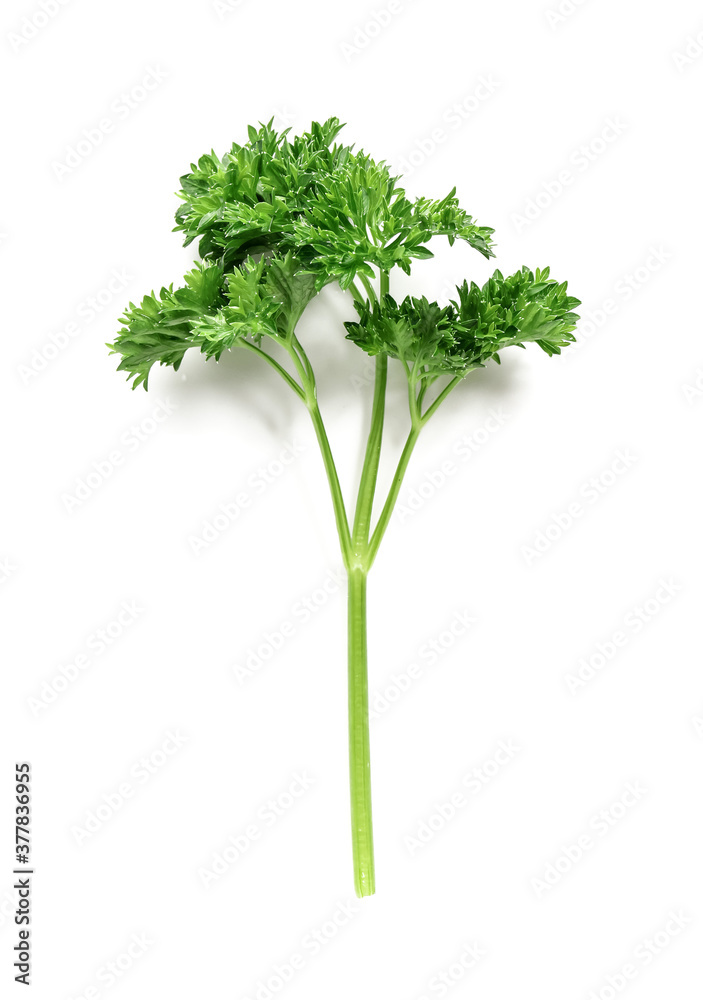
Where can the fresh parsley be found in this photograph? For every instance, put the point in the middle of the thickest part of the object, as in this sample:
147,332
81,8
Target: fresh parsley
277,219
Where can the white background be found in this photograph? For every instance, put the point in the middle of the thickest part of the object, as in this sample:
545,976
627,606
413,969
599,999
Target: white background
538,91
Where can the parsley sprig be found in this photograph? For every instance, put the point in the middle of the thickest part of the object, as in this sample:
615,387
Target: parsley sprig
277,219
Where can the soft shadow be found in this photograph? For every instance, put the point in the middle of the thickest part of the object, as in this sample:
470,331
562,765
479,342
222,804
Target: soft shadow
247,386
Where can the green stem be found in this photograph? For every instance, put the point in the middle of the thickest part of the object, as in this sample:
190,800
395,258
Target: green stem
413,396
298,353
440,398
359,549
309,396
421,394
385,515
356,292
340,512
369,287
369,474
358,679
418,423
274,364
359,754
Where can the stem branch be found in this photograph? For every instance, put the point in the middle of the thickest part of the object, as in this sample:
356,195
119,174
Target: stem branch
274,364
369,474
340,512
385,514
440,398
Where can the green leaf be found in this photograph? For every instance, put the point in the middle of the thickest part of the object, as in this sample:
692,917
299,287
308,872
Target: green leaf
292,288
416,331
464,335
514,311
247,312
278,218
161,329
263,299
338,211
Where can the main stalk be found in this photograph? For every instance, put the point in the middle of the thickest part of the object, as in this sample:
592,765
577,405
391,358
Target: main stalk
359,544
359,754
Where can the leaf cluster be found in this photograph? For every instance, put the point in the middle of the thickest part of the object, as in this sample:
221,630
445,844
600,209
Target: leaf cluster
212,311
464,335
278,218
339,212
161,328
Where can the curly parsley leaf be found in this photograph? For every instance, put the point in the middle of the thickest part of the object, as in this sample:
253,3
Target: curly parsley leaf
262,299
278,218
292,288
338,211
464,335
161,328
522,308
417,332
